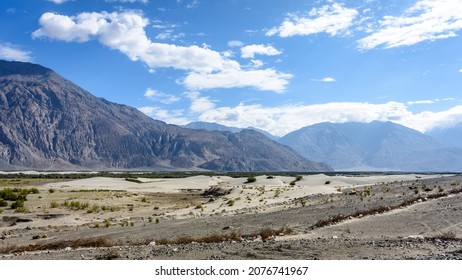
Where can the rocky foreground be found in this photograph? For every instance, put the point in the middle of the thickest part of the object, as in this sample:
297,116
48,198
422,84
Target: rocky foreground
418,219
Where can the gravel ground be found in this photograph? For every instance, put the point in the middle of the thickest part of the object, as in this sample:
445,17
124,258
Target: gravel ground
428,228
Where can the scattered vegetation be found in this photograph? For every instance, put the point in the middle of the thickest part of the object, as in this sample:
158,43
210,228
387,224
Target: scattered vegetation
57,245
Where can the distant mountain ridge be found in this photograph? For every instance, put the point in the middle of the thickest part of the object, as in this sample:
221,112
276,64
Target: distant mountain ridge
209,126
448,135
47,122
373,146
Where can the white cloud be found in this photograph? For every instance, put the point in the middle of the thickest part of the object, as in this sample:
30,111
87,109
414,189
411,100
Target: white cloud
125,32
281,120
325,80
251,50
256,63
460,71
233,44
175,117
418,102
12,52
199,103
261,79
432,101
59,1
425,20
331,19
129,1
161,97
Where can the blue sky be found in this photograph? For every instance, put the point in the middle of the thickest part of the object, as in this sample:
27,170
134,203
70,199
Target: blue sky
272,64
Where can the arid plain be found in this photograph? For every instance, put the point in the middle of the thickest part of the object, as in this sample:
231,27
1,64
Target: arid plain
309,216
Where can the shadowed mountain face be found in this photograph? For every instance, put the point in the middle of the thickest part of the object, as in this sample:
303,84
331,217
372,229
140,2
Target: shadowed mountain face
373,146
47,122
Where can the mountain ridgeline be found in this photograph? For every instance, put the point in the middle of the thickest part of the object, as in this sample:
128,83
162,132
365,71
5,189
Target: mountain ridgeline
49,123
375,146
379,146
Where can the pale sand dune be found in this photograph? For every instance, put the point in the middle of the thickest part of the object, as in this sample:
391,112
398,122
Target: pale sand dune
263,195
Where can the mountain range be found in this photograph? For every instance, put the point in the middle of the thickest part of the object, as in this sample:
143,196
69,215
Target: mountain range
376,146
47,122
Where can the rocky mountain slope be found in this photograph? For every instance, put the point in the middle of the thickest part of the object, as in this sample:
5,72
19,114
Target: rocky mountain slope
373,146
47,122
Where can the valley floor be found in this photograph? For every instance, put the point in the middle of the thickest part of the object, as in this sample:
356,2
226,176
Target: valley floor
218,217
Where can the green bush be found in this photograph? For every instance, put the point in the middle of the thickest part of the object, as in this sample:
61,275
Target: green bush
3,203
17,204
54,204
251,179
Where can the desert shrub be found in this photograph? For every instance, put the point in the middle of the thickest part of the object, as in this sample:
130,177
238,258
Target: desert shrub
34,191
107,223
51,190
133,180
251,179
298,177
94,209
3,203
217,191
17,204
231,202
54,204
327,182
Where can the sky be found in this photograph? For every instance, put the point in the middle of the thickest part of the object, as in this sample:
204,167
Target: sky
277,65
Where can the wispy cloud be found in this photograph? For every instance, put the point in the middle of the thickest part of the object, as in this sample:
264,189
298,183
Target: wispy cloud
250,51
161,97
124,31
173,116
235,43
199,103
325,80
59,1
12,52
427,20
129,1
430,101
331,19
